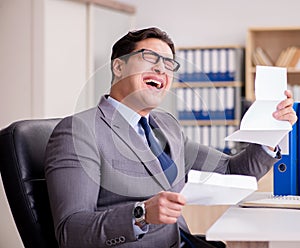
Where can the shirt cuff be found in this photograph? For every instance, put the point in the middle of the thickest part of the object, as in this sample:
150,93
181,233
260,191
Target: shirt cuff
273,154
139,232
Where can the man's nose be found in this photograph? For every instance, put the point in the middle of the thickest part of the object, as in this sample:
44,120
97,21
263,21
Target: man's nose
159,67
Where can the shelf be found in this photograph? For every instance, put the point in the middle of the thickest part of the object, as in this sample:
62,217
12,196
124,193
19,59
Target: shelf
289,70
206,84
209,122
210,47
273,40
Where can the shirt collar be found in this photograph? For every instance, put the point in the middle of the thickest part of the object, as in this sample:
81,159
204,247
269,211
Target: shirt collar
130,115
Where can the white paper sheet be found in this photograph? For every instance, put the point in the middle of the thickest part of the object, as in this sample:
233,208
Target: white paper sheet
208,188
258,125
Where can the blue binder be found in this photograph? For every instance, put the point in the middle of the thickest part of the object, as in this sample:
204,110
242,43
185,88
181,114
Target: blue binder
298,148
286,170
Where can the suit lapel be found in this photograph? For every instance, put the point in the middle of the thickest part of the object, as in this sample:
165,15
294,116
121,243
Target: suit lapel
121,130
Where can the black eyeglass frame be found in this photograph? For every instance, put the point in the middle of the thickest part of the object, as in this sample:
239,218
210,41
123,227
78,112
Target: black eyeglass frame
158,57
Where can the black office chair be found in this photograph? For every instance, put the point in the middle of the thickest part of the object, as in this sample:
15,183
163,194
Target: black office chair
22,148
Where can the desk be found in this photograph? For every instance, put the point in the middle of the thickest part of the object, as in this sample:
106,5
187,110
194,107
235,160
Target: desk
257,227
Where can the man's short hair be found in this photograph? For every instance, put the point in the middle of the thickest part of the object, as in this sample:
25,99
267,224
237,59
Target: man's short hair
127,43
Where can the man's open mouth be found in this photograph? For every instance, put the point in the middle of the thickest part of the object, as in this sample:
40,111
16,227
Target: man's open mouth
154,83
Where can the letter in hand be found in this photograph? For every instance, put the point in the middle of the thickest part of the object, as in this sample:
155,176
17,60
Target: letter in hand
285,111
164,208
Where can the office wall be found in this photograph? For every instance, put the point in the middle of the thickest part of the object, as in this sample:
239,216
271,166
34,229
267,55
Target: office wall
206,22
65,56
109,25
41,75
15,59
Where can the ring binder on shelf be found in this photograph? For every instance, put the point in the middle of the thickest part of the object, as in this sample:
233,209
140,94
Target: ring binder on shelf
208,93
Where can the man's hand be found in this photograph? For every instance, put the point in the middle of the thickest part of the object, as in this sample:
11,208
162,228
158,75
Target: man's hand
285,111
164,208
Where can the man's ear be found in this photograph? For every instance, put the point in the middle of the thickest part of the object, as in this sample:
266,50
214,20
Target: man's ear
117,67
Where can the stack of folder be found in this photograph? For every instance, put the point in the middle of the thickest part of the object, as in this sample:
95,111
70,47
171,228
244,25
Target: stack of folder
212,135
207,103
209,91
211,64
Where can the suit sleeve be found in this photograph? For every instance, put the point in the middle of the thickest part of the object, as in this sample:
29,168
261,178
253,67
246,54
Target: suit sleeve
252,161
73,175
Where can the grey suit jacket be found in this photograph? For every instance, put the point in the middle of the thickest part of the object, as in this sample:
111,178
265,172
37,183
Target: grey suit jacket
97,167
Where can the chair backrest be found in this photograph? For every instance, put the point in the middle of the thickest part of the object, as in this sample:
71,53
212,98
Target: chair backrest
22,148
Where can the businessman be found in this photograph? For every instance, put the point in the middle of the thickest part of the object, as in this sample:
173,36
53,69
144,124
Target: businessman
114,172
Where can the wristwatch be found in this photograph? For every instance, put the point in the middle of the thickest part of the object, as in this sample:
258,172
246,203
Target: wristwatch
139,214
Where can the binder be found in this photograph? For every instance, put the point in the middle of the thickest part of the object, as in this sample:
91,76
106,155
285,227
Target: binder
298,146
223,64
182,77
213,105
197,104
229,145
182,71
198,65
180,103
205,100
211,64
206,135
232,64
197,134
190,70
189,98
286,170
206,62
214,69
220,101
230,107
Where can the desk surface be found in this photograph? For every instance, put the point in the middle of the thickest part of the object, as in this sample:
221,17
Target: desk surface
256,224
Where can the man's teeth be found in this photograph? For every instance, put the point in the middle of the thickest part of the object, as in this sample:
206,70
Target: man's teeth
154,83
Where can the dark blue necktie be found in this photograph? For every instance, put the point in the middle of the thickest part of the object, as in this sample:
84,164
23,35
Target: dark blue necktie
167,164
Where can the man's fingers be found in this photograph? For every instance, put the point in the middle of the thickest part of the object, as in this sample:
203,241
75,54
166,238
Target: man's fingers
288,94
176,198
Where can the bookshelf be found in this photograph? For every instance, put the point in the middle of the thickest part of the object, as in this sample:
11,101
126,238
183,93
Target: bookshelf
203,69
208,90
273,41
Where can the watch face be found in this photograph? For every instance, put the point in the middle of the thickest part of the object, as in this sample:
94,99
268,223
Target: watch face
138,212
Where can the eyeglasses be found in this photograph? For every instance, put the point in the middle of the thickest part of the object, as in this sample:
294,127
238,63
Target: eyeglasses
153,57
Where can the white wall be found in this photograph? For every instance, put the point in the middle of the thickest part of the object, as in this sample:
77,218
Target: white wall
65,59
15,60
109,26
43,58
214,22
